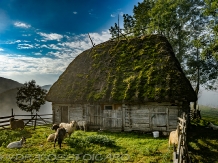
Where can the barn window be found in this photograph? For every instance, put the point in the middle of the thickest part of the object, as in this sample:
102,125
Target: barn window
108,107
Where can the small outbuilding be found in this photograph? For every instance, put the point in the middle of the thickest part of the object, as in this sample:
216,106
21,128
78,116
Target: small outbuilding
124,85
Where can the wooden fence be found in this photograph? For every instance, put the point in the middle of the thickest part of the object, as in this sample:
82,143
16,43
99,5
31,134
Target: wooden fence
180,154
31,120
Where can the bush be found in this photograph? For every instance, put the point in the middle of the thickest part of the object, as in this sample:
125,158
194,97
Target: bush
101,140
77,142
5,138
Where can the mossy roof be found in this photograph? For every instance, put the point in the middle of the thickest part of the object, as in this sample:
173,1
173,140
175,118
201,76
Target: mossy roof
137,70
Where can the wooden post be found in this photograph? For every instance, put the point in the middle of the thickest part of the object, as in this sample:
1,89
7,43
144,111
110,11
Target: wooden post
123,116
12,112
118,27
91,41
35,122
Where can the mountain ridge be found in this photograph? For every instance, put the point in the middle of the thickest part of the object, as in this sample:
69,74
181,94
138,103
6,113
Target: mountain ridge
7,84
8,92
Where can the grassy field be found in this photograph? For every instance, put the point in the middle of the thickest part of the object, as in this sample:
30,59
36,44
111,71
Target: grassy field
84,147
111,147
203,142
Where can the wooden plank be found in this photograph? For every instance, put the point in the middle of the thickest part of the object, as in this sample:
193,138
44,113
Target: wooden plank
6,117
145,120
159,128
172,123
173,118
140,116
167,118
4,121
123,116
140,111
172,111
4,125
171,128
142,125
136,128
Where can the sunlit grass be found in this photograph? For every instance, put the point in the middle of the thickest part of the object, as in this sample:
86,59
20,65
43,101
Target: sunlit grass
82,146
110,147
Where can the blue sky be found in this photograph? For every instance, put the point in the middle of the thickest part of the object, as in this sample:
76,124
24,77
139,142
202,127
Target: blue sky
39,38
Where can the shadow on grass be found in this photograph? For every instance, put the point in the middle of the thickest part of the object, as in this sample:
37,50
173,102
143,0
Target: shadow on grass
132,134
203,144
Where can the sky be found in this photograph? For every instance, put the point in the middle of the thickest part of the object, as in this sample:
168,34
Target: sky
40,38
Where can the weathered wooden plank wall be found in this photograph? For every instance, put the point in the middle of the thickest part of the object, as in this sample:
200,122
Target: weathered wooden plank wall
123,117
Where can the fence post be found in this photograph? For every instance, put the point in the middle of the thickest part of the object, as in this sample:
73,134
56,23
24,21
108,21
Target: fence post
12,112
35,122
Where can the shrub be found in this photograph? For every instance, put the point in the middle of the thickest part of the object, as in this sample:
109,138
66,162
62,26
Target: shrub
101,140
77,142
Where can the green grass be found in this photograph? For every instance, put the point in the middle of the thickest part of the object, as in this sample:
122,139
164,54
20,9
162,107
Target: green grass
111,147
209,114
203,142
85,147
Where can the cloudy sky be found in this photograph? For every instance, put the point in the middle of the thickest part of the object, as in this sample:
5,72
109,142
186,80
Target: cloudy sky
39,38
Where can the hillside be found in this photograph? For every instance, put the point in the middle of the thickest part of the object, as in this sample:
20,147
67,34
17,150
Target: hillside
8,98
8,101
7,84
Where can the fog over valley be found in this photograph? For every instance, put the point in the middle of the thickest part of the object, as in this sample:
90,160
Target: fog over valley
8,92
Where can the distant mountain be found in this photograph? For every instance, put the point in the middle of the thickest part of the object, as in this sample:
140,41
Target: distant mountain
47,87
8,93
7,84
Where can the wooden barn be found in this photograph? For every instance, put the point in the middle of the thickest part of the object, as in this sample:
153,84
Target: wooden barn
124,85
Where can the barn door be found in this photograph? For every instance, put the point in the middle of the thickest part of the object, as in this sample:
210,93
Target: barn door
64,114
112,119
158,118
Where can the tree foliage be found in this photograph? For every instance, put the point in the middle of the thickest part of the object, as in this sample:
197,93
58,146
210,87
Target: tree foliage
191,28
30,97
211,11
114,31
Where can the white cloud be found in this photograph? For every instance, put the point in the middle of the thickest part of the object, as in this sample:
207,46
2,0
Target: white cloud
38,54
113,15
1,49
83,42
55,62
29,65
22,25
26,34
116,14
25,46
13,42
75,12
51,36
121,13
43,46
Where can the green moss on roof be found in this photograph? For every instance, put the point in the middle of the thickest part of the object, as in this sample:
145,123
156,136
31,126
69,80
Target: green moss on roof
135,70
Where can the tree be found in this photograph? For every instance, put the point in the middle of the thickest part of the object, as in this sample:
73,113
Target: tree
191,28
211,11
114,31
30,97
